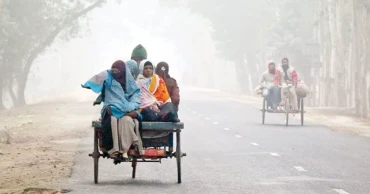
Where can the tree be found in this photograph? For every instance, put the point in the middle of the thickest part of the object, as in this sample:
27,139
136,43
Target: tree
38,24
344,35
252,32
236,27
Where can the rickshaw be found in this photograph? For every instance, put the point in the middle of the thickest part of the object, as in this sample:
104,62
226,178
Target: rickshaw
156,149
285,109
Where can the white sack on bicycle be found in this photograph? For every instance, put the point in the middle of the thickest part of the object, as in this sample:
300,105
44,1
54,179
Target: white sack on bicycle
302,90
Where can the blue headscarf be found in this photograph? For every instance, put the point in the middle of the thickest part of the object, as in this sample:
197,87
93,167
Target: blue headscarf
120,101
132,65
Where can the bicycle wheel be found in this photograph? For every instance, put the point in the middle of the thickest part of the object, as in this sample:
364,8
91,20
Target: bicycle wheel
287,109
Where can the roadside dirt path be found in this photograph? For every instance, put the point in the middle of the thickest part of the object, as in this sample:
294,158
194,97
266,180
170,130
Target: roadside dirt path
38,144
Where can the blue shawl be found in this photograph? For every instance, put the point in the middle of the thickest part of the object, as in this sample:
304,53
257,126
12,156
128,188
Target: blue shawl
120,101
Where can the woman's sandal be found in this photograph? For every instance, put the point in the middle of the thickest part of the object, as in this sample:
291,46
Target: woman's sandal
114,155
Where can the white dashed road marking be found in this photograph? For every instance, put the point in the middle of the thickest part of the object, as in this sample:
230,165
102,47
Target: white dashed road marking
227,129
254,144
300,168
274,154
194,112
238,136
247,153
216,123
208,119
340,191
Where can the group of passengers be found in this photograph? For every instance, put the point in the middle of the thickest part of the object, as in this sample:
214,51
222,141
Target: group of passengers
133,91
280,76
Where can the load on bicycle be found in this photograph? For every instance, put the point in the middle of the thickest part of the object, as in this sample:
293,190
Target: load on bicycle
282,90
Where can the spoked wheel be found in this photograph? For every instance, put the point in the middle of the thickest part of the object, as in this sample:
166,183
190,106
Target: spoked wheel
302,111
178,155
287,108
263,111
96,156
134,164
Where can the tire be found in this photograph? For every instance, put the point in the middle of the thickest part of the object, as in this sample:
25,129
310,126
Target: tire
178,155
263,111
287,109
134,164
302,111
96,156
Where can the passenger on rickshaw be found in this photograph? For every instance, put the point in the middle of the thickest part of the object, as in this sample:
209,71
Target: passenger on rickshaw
270,92
138,54
162,70
156,103
133,67
287,75
121,97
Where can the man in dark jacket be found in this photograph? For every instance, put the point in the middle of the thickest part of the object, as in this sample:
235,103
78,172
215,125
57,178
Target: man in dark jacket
162,70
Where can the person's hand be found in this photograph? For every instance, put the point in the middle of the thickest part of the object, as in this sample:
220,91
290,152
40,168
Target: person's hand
132,114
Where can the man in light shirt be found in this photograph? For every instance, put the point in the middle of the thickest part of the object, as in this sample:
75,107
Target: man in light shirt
270,91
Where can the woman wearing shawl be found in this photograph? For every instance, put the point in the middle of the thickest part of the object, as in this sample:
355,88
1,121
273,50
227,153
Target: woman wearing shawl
132,66
121,97
156,103
162,70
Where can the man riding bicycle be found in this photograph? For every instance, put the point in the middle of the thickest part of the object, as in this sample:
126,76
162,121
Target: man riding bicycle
287,75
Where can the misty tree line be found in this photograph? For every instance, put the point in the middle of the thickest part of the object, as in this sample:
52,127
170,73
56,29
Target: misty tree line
27,28
342,28
251,33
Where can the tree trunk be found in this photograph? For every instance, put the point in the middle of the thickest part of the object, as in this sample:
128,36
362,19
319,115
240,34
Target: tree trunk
325,42
364,62
22,79
249,69
355,55
11,92
241,75
2,106
334,62
350,86
341,75
1,86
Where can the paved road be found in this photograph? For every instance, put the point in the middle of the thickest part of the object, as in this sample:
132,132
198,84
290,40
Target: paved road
229,151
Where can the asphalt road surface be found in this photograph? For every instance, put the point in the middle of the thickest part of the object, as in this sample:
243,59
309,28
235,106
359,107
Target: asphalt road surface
230,151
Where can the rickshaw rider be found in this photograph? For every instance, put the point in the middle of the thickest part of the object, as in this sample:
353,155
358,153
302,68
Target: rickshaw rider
138,54
287,75
270,92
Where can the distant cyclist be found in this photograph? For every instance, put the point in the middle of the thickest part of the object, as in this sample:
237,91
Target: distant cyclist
270,91
285,75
